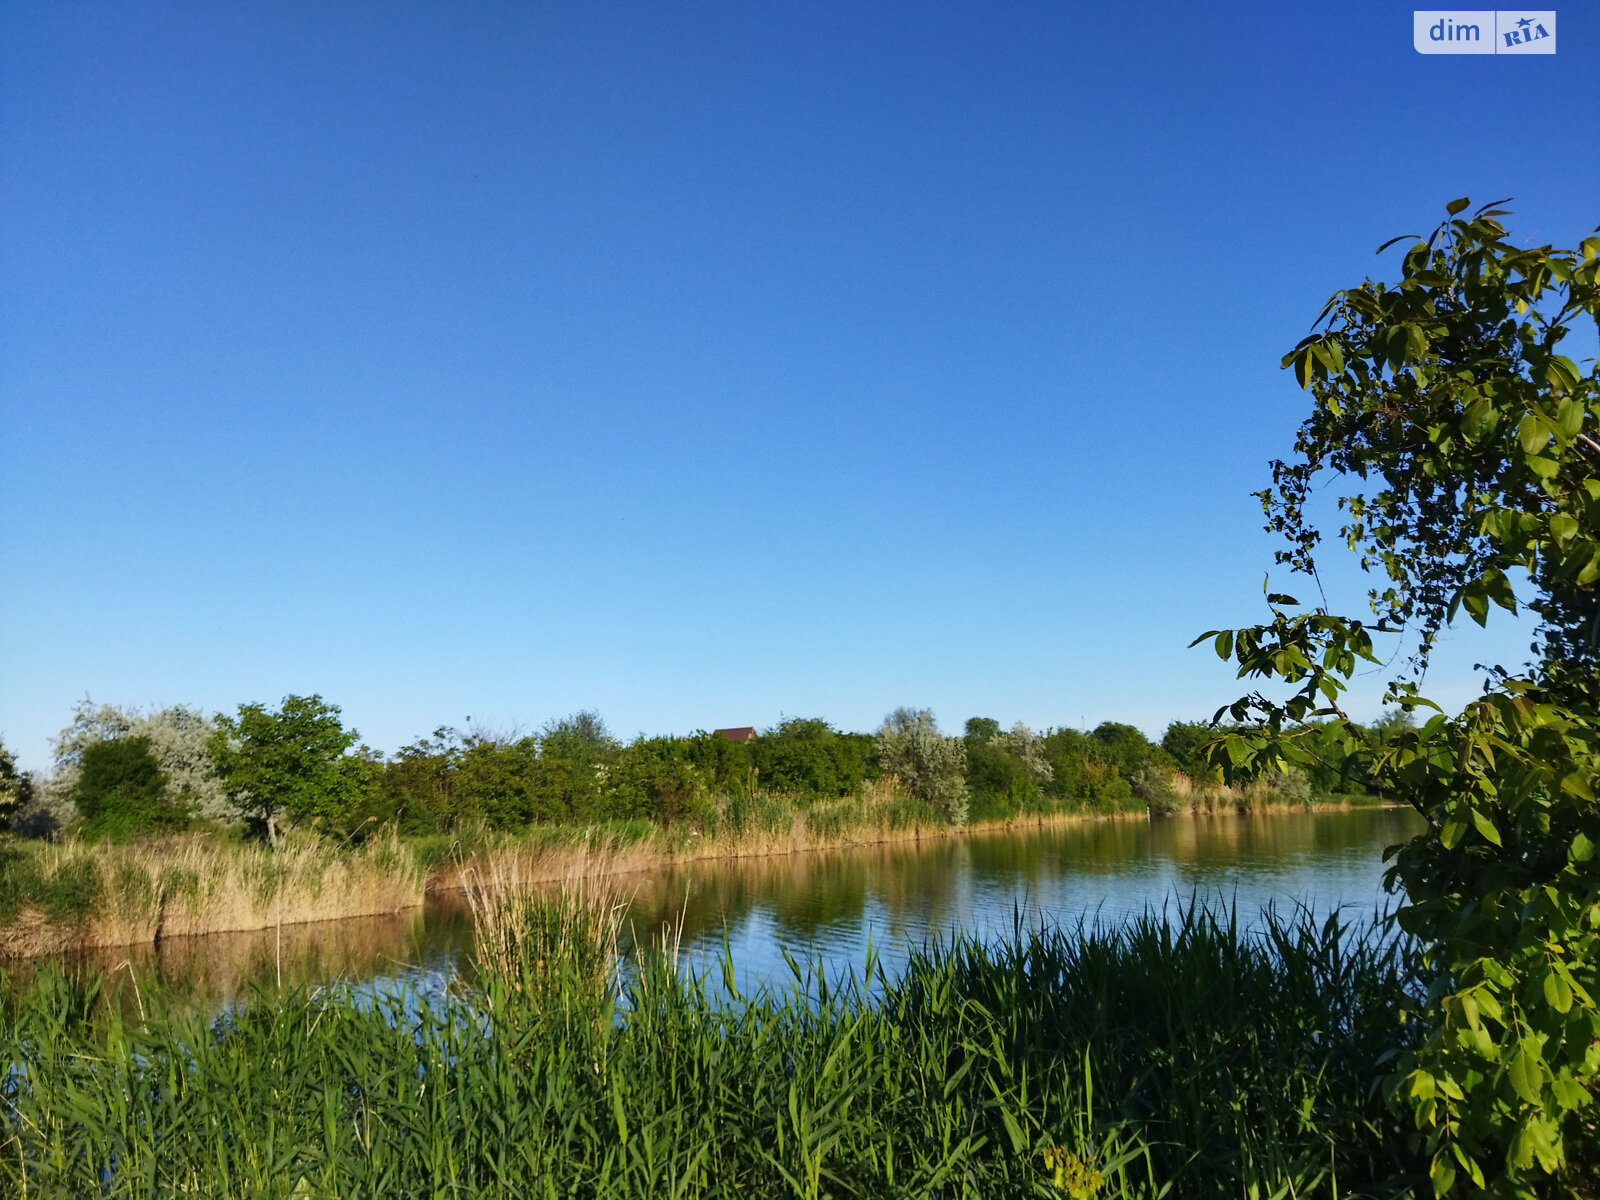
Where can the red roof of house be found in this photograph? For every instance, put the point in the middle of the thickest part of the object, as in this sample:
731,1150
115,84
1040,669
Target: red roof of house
742,733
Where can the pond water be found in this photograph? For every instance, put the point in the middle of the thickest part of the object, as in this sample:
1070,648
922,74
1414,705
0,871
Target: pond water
827,908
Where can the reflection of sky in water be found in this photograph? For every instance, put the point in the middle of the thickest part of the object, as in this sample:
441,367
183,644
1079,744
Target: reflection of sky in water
828,911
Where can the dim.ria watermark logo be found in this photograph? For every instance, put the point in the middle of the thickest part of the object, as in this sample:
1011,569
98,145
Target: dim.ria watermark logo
1484,31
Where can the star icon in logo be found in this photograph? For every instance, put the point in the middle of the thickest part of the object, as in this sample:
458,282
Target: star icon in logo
1525,22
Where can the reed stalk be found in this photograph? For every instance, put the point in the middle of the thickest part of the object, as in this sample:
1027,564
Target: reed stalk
1176,1056
534,933
77,896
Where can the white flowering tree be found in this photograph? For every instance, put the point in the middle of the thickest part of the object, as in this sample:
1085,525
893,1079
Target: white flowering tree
929,765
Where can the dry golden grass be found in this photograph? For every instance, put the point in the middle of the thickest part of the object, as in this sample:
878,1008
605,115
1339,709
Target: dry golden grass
189,887
766,824
304,880
31,934
540,912
774,824
509,865
1174,792
882,813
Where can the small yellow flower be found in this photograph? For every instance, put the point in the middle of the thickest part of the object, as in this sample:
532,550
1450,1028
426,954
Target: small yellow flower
1072,1175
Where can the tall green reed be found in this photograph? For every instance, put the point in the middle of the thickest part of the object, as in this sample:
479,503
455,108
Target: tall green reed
541,938
1176,1056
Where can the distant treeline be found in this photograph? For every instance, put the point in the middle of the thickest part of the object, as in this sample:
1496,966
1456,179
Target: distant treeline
120,774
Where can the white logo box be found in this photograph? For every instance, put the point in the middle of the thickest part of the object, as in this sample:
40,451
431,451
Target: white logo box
1484,31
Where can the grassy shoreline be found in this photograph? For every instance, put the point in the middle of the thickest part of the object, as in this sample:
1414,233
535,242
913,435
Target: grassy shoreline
70,897
1086,1062
550,858
74,896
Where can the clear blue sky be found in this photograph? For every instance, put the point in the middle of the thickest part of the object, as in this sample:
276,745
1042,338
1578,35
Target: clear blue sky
696,363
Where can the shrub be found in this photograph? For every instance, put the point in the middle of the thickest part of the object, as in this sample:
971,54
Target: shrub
67,895
931,767
122,791
16,787
1185,743
809,757
1080,770
662,782
1005,770
580,756
1127,748
1162,791
291,765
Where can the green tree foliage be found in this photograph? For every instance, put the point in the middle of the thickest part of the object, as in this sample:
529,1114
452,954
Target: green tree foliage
580,738
416,790
582,752
811,758
658,780
503,781
179,737
1185,743
729,765
1128,749
574,772
122,791
119,799
1475,445
1082,771
997,781
452,779
16,787
291,765
981,729
1329,773
929,765
1006,770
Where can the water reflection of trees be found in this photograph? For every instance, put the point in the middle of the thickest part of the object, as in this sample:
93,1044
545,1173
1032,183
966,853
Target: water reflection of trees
1276,838
923,885
211,971
905,889
805,895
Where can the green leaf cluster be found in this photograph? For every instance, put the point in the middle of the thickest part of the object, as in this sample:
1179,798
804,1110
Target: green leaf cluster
16,787
122,791
293,763
1467,451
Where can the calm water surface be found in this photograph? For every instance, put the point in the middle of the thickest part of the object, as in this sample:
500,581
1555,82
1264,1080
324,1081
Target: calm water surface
827,908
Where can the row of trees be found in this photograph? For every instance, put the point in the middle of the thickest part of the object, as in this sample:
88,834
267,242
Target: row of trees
121,774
